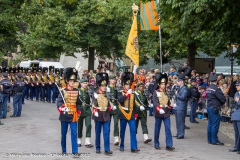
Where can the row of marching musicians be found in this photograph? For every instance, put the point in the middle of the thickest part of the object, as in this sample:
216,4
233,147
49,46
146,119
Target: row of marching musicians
107,103
40,83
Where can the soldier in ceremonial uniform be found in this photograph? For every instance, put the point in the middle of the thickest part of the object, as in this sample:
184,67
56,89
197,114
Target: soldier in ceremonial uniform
6,88
27,81
44,85
235,117
38,84
68,104
194,96
181,107
101,113
62,81
162,112
151,88
86,114
111,90
51,90
215,99
141,102
17,96
33,83
127,111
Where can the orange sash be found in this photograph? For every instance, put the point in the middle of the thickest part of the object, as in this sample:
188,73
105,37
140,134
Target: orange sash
72,110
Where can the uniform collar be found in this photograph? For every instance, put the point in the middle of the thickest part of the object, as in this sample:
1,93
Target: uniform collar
83,89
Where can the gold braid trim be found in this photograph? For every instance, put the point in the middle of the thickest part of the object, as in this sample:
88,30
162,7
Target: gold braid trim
128,115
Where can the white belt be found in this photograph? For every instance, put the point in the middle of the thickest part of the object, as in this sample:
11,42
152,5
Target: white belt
99,108
125,108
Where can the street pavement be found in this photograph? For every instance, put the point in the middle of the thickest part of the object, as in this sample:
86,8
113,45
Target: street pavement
36,135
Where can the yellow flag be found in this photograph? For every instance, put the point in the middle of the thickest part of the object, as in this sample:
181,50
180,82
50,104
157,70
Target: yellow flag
132,49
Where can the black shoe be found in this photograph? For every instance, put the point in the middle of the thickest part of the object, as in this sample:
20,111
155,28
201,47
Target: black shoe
187,127
148,140
79,145
98,152
157,147
180,137
89,146
135,150
209,142
170,148
53,102
121,149
13,116
108,152
18,116
218,143
232,150
195,121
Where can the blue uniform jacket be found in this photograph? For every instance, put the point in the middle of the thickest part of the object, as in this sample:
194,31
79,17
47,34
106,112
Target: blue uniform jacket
181,98
215,96
236,112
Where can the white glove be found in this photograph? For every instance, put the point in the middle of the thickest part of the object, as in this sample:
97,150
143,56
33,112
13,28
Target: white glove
161,111
166,106
114,108
142,108
96,114
158,94
151,105
129,91
95,95
108,89
174,105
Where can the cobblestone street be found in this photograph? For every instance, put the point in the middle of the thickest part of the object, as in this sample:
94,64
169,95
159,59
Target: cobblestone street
38,131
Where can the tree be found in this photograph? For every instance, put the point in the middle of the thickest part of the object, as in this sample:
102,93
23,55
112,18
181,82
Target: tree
196,25
9,25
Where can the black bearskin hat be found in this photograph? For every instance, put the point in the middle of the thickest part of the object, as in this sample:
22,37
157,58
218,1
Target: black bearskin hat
34,69
61,71
39,69
51,69
70,74
44,70
57,71
161,78
102,79
127,78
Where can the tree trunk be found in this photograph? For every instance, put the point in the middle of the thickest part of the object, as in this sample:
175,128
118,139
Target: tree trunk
192,50
91,58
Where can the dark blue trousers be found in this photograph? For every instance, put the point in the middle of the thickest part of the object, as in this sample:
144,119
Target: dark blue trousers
24,93
151,109
32,92
132,126
37,92
106,135
27,91
168,133
43,93
17,105
192,116
64,129
236,126
180,122
213,125
5,102
53,91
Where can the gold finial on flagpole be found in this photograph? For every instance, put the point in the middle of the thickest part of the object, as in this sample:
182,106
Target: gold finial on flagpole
135,9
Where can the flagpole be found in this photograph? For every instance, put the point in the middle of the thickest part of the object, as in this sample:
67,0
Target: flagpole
160,38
